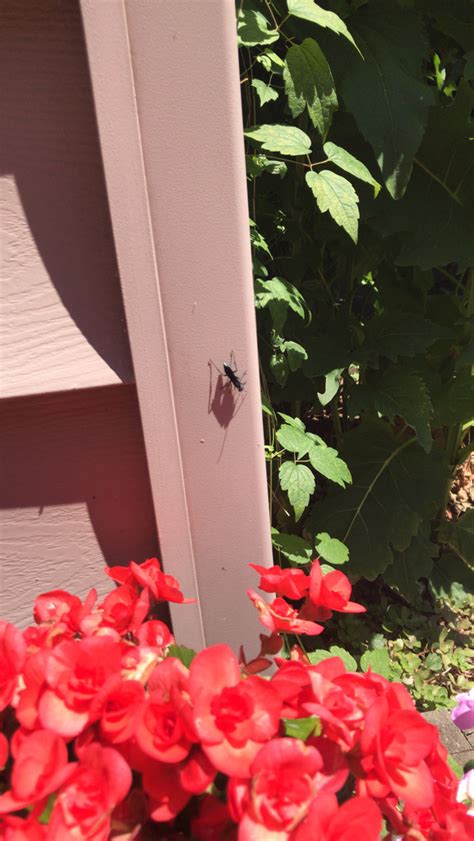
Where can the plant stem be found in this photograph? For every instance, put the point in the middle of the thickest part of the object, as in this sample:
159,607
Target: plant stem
336,420
438,180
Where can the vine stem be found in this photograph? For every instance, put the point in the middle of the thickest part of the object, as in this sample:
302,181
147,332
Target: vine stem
369,490
438,180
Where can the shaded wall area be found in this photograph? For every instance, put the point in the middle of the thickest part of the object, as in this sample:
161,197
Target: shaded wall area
63,324
74,493
74,484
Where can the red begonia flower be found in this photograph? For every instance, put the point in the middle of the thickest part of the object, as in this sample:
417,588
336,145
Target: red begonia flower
393,747
292,583
233,716
163,587
19,829
74,674
83,806
57,606
120,708
170,787
164,730
327,821
149,574
280,791
154,633
124,609
4,750
331,591
458,825
279,616
213,821
40,767
12,658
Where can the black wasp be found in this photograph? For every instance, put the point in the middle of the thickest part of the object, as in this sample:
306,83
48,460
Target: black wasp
231,373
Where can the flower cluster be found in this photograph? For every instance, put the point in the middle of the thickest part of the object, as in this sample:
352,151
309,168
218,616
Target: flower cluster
108,729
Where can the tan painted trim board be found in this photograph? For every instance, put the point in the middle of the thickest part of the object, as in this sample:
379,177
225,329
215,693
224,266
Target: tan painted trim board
168,110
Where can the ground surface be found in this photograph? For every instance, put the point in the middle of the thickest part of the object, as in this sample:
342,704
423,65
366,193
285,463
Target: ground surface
460,744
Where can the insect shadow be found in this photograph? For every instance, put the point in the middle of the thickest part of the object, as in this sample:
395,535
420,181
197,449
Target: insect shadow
226,394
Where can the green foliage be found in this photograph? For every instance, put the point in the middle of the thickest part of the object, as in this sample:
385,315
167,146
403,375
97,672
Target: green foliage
336,195
186,655
309,84
295,476
393,117
426,645
309,10
299,481
331,549
287,140
397,393
335,651
382,512
294,548
253,27
344,160
459,536
365,290
301,728
376,661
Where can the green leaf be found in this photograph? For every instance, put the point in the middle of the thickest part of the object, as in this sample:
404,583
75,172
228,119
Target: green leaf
186,655
296,549
455,766
451,579
331,549
288,140
270,61
301,728
318,656
378,661
336,195
386,91
299,483
396,485
253,27
293,439
397,393
335,651
459,536
267,407
433,662
348,660
308,10
45,815
309,84
258,164
413,563
469,67
395,334
265,93
297,422
258,241
333,381
295,353
279,290
344,160
434,220
466,356
327,462
455,403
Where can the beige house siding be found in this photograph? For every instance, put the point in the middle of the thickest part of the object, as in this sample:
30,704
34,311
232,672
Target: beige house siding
168,229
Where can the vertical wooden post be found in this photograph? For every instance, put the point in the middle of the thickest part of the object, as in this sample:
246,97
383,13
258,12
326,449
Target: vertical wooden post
166,90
